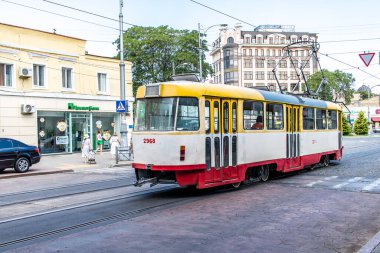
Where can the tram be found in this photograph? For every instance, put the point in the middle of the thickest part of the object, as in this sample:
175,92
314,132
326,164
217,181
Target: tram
207,135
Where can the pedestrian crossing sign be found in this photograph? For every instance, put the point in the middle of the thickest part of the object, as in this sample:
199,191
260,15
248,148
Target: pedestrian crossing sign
121,106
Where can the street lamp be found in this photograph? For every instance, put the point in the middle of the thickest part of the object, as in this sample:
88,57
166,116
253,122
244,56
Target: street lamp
200,35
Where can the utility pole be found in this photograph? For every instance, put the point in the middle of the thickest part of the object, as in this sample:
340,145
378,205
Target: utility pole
200,51
123,125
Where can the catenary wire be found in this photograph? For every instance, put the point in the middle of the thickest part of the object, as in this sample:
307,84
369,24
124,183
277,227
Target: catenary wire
54,13
87,12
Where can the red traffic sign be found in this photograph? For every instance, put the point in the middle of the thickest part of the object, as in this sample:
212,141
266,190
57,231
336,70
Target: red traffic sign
367,58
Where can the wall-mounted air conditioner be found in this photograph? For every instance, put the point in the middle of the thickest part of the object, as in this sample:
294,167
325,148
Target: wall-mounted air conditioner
28,108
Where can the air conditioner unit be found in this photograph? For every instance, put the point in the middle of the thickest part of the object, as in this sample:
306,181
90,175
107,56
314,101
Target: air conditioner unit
28,108
25,72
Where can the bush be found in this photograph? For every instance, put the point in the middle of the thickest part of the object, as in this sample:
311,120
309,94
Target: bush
360,124
347,129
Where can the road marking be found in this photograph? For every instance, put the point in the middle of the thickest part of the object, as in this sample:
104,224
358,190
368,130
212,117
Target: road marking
320,181
371,185
352,180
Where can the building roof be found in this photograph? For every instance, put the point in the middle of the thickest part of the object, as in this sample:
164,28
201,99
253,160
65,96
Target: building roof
32,29
288,34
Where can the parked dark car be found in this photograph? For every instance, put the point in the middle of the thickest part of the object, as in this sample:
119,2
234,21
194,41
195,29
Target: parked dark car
17,155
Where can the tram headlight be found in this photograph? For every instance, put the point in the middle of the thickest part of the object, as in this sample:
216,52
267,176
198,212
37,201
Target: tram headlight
182,152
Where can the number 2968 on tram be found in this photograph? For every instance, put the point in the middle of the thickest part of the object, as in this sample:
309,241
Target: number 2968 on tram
207,135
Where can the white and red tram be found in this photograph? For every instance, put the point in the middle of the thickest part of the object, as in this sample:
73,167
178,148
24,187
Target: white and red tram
207,135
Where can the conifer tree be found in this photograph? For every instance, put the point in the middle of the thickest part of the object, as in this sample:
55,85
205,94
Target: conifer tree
360,124
347,130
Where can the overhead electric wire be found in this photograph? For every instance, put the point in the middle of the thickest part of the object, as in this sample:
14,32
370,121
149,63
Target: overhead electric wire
333,41
87,12
345,63
225,14
54,13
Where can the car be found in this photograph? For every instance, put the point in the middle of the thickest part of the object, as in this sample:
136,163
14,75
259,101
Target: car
18,155
376,130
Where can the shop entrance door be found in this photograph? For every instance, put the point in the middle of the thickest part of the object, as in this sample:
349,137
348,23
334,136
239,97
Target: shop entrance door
80,125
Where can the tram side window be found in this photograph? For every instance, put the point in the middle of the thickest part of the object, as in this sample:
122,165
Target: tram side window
308,118
188,114
207,117
332,120
234,117
226,117
251,112
216,117
321,119
275,117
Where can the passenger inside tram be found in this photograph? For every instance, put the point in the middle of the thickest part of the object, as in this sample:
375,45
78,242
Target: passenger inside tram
259,123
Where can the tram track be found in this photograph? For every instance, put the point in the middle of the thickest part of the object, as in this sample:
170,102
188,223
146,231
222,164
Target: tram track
56,192
120,216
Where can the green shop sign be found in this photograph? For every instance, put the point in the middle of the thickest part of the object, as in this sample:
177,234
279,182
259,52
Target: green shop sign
71,106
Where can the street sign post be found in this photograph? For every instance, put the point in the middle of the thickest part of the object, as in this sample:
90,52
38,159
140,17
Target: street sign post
121,106
366,58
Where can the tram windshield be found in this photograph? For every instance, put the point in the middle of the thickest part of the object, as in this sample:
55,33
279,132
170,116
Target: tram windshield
167,114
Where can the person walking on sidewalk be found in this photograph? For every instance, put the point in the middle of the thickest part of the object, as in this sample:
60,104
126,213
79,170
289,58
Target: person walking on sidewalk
114,143
99,141
86,146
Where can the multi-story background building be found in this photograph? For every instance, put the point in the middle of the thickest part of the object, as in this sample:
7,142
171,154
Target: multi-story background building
247,58
52,92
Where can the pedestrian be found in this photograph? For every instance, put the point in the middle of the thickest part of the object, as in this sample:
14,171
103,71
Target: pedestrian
99,141
86,146
114,143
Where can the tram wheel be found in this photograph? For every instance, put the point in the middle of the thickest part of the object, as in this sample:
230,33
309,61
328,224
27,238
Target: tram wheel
264,173
236,185
326,161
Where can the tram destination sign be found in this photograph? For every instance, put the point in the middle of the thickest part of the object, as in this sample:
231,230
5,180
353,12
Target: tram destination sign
71,106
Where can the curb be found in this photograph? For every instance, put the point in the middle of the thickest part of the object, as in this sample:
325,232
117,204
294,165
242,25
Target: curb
372,244
34,174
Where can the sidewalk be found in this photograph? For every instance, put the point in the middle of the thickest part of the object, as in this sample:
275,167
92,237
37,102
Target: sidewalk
50,164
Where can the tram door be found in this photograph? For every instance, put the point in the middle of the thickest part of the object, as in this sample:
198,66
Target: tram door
212,140
220,139
293,136
229,139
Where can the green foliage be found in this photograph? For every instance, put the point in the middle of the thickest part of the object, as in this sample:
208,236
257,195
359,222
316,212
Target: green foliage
360,124
347,129
153,50
339,84
363,95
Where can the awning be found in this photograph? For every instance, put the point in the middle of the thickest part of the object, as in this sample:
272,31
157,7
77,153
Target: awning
375,119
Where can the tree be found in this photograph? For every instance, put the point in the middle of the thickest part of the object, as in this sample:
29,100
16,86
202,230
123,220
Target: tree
339,84
347,129
360,124
154,50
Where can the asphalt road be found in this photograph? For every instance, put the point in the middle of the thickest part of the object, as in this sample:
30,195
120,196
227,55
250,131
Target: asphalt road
332,209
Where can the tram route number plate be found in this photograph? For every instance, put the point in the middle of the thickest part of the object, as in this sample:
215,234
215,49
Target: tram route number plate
149,140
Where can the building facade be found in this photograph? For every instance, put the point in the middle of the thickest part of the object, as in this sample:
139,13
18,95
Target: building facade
247,58
52,92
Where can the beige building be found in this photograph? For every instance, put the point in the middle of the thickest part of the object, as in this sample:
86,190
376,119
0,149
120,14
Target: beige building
247,58
52,92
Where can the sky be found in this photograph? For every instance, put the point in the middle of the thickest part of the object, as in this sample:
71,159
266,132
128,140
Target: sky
345,28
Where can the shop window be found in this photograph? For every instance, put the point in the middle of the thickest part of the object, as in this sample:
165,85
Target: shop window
274,117
39,75
53,132
6,71
67,78
102,82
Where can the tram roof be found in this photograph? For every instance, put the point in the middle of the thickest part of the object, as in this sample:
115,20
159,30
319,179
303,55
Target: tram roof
194,89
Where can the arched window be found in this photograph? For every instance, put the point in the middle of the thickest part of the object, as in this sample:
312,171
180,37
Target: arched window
230,40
